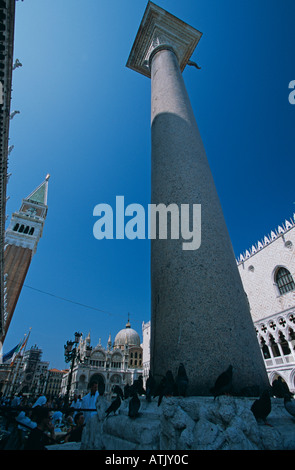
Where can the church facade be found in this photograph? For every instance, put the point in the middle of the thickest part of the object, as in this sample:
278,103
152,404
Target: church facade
120,363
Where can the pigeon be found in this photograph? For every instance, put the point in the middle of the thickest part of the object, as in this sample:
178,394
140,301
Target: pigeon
280,388
159,387
289,405
126,391
138,386
262,407
134,405
167,387
150,387
115,405
181,381
223,383
118,391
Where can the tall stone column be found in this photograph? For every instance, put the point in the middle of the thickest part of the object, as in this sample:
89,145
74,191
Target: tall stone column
200,314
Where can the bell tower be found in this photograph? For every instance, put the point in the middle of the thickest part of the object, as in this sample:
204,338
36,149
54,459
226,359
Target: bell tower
21,240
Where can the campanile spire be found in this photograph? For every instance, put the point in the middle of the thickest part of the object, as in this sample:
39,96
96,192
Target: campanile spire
21,241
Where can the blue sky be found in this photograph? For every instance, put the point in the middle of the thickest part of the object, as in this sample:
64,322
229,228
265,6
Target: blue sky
85,119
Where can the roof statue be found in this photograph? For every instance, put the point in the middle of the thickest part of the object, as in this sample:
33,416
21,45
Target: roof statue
274,234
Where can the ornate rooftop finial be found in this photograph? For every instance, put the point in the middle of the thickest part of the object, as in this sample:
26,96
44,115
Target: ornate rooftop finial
109,346
274,234
128,325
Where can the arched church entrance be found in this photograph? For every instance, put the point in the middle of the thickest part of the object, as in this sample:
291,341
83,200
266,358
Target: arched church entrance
100,380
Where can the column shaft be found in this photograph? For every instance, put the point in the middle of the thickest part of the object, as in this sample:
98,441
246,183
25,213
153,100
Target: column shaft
200,314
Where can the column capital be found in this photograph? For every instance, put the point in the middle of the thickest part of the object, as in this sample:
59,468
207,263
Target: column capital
160,29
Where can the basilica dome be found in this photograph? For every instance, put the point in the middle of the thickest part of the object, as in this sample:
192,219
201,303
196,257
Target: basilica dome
127,336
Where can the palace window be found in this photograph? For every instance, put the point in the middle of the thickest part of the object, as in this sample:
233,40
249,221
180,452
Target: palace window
284,344
274,347
284,281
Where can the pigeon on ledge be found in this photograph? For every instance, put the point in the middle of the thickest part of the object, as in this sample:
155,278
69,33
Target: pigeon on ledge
181,381
262,407
223,383
134,405
150,387
167,387
115,405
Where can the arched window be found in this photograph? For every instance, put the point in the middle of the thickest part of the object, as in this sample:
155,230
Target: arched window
31,231
284,281
16,227
21,228
284,344
274,347
265,350
26,229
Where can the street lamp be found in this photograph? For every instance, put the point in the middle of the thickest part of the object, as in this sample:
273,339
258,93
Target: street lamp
68,347
77,337
71,355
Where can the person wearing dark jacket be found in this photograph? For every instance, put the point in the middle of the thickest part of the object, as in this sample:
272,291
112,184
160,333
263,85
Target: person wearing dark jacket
42,435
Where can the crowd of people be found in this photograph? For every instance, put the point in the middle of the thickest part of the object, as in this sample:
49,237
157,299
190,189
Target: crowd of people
35,424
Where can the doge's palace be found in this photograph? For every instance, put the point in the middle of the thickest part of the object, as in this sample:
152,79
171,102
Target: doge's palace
267,271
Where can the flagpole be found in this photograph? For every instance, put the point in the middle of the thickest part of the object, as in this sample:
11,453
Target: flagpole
18,354
24,345
14,370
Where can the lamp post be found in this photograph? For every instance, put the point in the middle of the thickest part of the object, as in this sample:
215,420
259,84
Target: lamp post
71,355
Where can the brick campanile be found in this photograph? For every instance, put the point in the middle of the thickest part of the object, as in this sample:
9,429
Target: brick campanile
21,240
200,313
